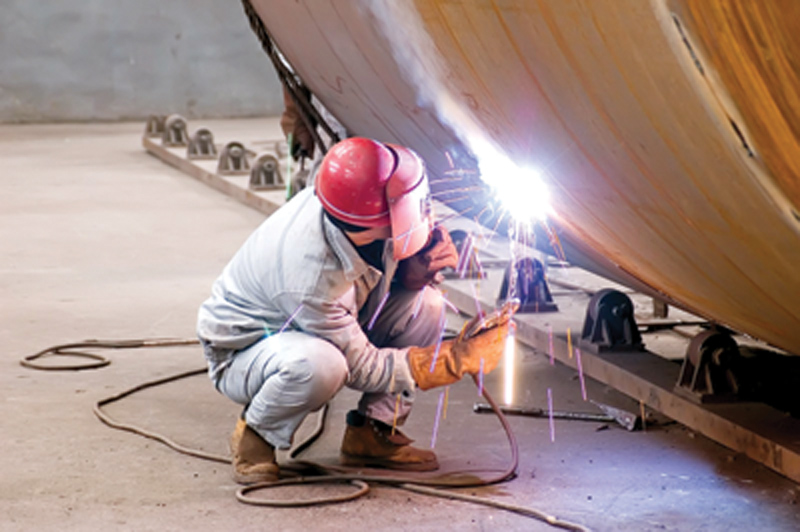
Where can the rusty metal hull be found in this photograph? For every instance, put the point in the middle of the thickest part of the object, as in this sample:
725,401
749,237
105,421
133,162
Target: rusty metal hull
667,130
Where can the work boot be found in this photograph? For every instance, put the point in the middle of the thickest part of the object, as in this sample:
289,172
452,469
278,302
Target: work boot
370,443
253,458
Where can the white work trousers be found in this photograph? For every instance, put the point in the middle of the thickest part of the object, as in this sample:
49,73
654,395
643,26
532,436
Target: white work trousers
284,377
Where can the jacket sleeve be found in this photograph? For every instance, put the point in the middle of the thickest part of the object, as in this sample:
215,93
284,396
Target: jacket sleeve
371,369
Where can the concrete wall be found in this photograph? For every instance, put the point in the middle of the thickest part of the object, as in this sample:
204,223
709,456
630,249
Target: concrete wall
77,60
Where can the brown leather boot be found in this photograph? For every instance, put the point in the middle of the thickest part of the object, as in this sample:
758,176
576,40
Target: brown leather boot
253,458
370,443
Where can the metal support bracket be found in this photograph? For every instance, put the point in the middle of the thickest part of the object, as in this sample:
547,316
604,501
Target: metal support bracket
708,371
154,126
174,134
265,173
201,145
531,286
233,160
610,324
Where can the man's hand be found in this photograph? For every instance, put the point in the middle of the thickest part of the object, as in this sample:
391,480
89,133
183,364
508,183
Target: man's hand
293,124
419,270
458,357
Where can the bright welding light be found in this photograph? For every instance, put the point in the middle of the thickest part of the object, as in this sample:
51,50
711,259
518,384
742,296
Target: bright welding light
521,191
508,367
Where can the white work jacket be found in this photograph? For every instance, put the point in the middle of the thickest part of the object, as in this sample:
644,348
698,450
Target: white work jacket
298,265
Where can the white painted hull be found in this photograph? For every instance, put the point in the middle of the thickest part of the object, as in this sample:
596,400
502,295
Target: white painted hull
647,174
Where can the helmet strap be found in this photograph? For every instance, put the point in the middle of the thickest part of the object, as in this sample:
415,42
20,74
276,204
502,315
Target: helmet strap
344,226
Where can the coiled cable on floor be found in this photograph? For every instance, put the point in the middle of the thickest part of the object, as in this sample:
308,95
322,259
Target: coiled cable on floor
431,486
78,350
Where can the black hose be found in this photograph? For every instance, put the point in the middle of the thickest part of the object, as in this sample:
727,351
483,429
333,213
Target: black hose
431,486
71,350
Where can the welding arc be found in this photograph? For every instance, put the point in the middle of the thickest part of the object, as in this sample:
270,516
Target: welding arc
326,474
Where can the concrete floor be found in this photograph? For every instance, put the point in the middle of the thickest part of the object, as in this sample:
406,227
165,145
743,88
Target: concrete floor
100,240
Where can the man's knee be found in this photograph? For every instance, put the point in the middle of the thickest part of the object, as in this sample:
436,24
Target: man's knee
431,306
317,374
426,325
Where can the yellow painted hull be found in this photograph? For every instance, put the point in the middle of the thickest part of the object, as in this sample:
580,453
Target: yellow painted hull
668,131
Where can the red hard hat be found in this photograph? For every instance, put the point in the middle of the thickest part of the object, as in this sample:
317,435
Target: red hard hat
369,184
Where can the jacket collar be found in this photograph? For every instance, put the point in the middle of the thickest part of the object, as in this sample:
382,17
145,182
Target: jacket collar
353,266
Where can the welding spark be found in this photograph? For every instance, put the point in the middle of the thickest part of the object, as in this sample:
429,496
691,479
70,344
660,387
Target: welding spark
643,413
480,379
448,191
550,415
580,373
436,420
569,342
499,220
468,252
480,229
496,225
460,172
508,363
478,306
521,191
441,336
418,304
489,207
486,241
452,176
408,240
514,255
377,311
291,318
407,234
463,260
555,242
450,305
444,219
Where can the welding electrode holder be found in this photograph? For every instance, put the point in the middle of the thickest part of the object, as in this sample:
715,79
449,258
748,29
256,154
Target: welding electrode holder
481,323
627,420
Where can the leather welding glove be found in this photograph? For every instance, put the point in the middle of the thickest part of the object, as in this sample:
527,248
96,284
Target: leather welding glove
419,270
458,357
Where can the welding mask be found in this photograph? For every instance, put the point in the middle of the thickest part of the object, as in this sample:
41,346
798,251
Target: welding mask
369,184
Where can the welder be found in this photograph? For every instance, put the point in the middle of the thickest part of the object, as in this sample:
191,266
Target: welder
337,288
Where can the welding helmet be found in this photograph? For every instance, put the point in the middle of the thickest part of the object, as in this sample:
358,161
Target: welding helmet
370,184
